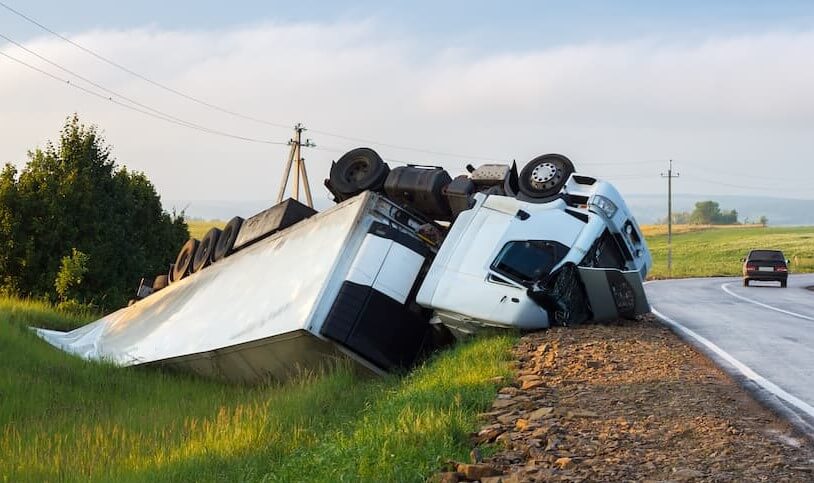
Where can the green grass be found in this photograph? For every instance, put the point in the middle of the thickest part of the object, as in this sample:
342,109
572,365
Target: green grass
718,251
62,418
198,228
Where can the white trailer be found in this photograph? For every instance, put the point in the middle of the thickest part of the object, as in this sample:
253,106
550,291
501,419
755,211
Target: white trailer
374,280
335,286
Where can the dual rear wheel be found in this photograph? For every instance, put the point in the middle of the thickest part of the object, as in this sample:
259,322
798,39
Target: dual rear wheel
196,255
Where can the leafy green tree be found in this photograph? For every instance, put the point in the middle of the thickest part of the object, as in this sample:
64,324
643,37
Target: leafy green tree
12,237
72,271
72,195
709,213
705,213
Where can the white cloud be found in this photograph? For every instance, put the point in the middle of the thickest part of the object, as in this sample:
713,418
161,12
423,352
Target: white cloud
732,103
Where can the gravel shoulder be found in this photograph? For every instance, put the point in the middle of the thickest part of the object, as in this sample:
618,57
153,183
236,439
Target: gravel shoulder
630,401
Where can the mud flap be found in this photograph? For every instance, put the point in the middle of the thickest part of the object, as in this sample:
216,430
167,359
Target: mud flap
614,293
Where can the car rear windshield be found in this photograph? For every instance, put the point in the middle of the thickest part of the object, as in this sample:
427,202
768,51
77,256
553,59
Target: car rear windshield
767,255
529,260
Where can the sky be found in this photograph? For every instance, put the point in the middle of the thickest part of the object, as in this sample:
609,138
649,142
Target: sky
724,89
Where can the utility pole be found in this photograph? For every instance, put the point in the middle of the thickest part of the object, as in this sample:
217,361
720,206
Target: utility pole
670,177
295,158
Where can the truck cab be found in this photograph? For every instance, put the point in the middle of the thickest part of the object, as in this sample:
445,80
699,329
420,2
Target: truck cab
497,252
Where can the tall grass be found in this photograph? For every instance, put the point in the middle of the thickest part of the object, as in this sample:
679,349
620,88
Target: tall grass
718,251
65,419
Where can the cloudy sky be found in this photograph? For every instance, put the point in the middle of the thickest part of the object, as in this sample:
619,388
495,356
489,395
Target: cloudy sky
723,88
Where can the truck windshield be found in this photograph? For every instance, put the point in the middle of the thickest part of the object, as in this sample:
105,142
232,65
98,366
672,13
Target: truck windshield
528,260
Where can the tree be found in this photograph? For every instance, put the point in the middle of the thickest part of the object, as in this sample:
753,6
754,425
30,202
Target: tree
13,244
72,195
705,213
709,213
763,220
72,271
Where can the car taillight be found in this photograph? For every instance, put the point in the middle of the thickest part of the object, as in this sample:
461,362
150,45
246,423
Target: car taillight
781,269
751,268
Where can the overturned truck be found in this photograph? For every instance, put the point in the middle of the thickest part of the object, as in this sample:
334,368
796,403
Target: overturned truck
407,259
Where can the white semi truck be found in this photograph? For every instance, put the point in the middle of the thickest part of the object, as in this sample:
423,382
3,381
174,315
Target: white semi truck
405,259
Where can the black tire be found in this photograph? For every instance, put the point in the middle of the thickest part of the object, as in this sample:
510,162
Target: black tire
745,282
544,176
358,170
226,240
161,281
783,283
183,262
205,251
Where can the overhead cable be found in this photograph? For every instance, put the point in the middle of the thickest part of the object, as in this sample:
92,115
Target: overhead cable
220,108
140,76
146,111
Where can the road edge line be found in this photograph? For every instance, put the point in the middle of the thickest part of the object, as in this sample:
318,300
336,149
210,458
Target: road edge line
760,387
725,288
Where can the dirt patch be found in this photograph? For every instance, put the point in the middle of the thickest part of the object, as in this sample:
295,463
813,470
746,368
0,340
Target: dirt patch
630,401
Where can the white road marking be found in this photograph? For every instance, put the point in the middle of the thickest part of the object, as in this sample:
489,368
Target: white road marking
741,367
725,288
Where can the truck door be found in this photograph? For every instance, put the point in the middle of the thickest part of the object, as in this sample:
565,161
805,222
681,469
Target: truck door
374,313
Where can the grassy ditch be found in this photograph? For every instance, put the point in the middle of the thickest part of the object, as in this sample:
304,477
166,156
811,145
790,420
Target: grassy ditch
62,418
717,251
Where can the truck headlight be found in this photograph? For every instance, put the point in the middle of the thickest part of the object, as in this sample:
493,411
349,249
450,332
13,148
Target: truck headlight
603,205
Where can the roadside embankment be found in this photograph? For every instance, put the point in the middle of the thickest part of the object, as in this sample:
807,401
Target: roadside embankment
630,401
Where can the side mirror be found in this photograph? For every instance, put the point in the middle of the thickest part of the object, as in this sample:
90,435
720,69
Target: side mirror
743,259
787,261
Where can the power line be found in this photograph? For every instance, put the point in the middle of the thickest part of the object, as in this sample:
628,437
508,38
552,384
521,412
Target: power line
122,96
223,109
402,147
152,113
623,163
720,183
734,173
140,76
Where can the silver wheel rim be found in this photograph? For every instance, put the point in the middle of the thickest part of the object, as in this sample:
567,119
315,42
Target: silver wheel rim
543,173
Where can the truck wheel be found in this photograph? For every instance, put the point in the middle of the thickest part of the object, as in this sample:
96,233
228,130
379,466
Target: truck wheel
358,170
745,282
183,263
161,281
544,176
783,284
203,255
226,240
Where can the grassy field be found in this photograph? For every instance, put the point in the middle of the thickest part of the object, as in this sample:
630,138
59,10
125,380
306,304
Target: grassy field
198,228
62,418
717,251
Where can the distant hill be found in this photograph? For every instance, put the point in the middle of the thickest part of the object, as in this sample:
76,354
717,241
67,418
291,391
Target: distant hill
780,211
647,208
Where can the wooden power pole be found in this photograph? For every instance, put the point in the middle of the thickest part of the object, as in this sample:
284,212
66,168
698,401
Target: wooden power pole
670,177
296,160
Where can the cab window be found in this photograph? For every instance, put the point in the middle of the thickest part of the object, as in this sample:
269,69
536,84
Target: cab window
528,260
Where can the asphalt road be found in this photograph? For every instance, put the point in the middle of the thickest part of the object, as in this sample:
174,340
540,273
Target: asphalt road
763,335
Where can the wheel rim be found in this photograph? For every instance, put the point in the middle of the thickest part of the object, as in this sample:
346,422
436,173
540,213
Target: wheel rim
546,175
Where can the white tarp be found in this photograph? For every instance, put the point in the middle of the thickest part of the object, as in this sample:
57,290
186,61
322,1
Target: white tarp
268,289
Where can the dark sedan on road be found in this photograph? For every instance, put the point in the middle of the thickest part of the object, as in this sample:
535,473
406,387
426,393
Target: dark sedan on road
766,266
